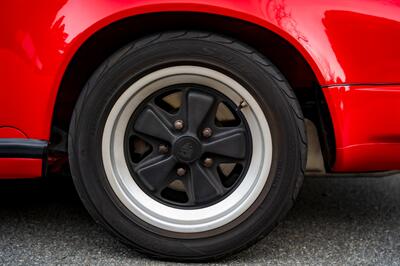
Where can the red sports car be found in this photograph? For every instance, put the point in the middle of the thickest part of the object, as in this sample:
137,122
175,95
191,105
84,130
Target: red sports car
188,125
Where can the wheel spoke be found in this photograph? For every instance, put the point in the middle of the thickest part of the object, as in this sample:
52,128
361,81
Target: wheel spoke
203,184
198,106
155,173
154,124
230,143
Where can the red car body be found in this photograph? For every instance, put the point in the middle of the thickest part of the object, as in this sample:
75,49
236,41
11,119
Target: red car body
352,48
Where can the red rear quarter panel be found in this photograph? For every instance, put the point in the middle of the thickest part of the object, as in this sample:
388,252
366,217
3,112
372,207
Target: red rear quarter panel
345,42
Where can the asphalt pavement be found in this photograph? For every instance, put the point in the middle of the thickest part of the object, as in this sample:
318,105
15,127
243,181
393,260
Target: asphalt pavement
335,221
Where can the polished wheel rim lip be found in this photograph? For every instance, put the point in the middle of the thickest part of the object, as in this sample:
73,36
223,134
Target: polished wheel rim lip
161,215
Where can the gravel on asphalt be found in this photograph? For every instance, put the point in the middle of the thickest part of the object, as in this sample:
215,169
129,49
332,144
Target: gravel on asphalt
343,221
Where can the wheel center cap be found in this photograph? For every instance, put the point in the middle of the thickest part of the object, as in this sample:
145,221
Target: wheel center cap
187,149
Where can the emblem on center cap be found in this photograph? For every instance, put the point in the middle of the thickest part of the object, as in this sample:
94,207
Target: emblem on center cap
187,149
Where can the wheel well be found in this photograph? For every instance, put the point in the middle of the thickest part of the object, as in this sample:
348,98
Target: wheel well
106,41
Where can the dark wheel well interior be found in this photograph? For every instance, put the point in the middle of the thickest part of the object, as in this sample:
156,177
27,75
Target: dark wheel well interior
106,41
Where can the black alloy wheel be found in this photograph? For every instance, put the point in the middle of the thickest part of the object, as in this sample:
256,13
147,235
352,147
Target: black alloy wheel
188,146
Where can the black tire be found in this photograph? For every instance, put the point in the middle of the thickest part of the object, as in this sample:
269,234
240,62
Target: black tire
235,59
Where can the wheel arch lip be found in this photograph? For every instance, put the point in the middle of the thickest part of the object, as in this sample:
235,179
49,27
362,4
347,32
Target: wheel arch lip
80,33
317,41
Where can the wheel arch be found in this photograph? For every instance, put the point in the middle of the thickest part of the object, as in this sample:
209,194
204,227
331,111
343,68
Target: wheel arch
283,50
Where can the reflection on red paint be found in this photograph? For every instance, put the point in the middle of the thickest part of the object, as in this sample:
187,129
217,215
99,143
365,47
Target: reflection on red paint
344,41
366,121
373,43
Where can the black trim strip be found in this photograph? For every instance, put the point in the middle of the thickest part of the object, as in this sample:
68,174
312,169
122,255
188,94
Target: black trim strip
362,84
22,148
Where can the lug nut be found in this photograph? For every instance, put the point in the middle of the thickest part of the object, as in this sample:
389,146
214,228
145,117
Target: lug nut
178,124
208,162
181,171
163,149
207,132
